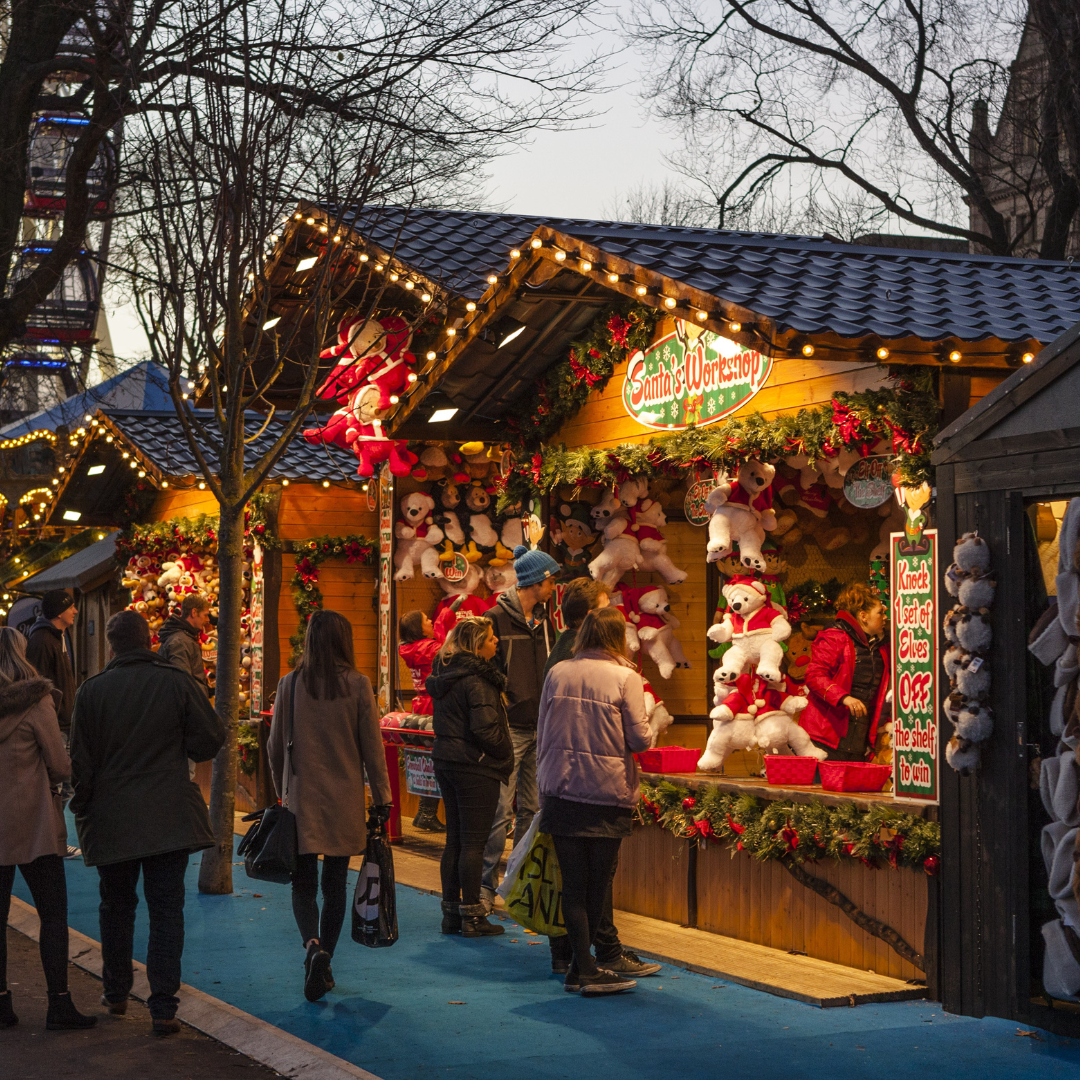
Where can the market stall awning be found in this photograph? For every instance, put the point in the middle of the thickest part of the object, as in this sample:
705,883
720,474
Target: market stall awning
78,570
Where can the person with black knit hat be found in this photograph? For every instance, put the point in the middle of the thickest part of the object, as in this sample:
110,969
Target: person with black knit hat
49,649
526,637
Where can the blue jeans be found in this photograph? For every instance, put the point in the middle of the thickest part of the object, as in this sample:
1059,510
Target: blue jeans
523,782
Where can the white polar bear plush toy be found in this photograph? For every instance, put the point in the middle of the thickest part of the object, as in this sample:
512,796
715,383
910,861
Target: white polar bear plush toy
741,512
656,713
417,536
648,610
754,626
646,519
621,553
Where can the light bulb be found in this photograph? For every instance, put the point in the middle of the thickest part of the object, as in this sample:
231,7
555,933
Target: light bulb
364,258
702,316
426,297
955,357
298,216
323,228
492,279
641,290
883,353
515,254
431,354
164,483
670,302
412,376
394,399
450,331
202,486
560,256
808,349
1028,357
613,278
284,483
394,277
409,285
337,239
536,242
470,306
326,483
735,327
586,266
311,221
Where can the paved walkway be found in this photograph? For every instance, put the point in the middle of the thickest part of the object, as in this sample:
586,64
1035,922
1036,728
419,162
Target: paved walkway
118,1048
477,1010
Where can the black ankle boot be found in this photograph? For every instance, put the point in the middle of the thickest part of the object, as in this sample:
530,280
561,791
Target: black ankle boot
427,817
7,1013
473,923
451,918
63,1016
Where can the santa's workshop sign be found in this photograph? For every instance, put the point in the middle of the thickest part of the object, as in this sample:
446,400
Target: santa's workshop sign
692,376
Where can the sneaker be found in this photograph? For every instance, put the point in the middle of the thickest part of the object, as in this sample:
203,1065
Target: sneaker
117,1008
572,982
73,852
605,982
171,1026
316,965
631,964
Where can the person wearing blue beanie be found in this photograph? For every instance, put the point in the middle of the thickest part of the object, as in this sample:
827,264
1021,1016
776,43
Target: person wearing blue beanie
526,636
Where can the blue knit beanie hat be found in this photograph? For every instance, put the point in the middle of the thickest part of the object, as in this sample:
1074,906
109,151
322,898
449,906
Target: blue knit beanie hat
532,567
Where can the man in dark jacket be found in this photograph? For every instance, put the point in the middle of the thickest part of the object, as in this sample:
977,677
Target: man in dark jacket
48,648
525,635
134,726
179,637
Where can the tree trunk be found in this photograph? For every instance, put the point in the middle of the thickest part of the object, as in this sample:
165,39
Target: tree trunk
215,873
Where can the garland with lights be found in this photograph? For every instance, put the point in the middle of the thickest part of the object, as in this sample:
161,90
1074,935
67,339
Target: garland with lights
309,556
906,415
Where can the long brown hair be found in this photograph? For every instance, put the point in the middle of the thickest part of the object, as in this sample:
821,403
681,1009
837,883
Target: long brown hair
328,649
604,629
14,667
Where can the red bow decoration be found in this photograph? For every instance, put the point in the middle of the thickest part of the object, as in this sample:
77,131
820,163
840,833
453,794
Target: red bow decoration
618,328
704,828
581,372
307,570
790,837
735,826
931,864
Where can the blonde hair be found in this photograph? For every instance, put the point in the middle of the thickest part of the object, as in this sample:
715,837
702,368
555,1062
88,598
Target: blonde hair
14,667
604,629
468,636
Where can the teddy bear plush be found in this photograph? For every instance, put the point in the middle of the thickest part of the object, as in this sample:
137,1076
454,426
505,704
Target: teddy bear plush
480,535
501,577
447,500
573,534
359,428
621,553
740,513
364,349
754,626
646,519
417,538
656,713
648,610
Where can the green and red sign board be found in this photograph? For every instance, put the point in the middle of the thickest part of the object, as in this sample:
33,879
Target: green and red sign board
692,376
913,625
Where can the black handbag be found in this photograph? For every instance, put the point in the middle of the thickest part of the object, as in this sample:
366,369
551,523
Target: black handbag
374,909
270,847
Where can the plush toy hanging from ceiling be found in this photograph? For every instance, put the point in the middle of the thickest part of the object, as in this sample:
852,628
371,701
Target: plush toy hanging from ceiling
741,512
754,626
359,428
369,351
650,622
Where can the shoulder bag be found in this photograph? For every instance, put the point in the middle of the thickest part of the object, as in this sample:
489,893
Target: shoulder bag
270,847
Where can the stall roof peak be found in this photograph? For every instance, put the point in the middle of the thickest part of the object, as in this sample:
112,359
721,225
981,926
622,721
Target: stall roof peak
804,284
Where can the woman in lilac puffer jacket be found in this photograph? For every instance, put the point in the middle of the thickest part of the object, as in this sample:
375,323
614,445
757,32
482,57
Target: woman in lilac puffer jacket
592,722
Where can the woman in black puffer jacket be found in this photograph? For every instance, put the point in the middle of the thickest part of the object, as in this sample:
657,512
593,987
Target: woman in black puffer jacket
473,758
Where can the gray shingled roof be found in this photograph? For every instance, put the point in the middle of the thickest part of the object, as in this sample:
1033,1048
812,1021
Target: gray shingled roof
803,284
160,437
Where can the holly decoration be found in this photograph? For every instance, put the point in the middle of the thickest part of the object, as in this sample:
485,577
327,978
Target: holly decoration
797,831
879,579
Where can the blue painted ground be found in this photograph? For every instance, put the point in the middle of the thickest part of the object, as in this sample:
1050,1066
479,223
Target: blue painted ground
391,1014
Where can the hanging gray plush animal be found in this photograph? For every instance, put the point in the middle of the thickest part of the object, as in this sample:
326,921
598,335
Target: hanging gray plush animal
952,619
953,657
953,576
971,553
975,722
962,755
973,630
977,589
973,678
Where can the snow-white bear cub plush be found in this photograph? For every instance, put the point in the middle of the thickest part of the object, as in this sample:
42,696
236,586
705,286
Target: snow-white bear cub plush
754,626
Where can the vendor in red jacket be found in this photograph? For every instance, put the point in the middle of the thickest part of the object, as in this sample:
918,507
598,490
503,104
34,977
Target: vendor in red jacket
848,677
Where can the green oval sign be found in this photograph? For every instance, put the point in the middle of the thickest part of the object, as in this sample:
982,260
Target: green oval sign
692,376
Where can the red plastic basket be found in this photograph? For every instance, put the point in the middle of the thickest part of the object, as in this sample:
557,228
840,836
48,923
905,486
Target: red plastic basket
786,769
853,776
669,759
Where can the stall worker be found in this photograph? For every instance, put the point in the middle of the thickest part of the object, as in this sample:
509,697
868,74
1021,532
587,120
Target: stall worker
419,639
848,677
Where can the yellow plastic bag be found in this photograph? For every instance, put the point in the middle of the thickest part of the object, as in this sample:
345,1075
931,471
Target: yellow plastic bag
532,887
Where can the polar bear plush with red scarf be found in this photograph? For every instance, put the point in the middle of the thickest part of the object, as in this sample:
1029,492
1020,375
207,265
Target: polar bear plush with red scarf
754,626
741,513
648,613
369,351
417,538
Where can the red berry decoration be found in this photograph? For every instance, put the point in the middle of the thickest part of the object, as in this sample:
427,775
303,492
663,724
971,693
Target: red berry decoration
689,802
931,864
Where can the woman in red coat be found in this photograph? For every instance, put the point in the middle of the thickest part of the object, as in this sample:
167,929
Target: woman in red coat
848,677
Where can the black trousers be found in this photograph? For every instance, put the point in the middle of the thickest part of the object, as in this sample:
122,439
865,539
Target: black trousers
163,888
838,755
470,802
305,903
45,879
587,865
606,940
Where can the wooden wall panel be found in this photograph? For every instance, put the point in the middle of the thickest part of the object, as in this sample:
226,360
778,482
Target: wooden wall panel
792,385
311,510
740,897
171,503
651,878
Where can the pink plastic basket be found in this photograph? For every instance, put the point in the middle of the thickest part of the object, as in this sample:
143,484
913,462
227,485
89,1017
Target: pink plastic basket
787,769
669,759
853,776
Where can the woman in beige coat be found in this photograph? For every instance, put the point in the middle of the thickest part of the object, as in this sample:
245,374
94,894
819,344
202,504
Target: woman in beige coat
33,763
334,737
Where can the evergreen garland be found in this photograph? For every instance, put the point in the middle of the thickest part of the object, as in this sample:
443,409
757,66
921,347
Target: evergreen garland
795,831
159,537
309,556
